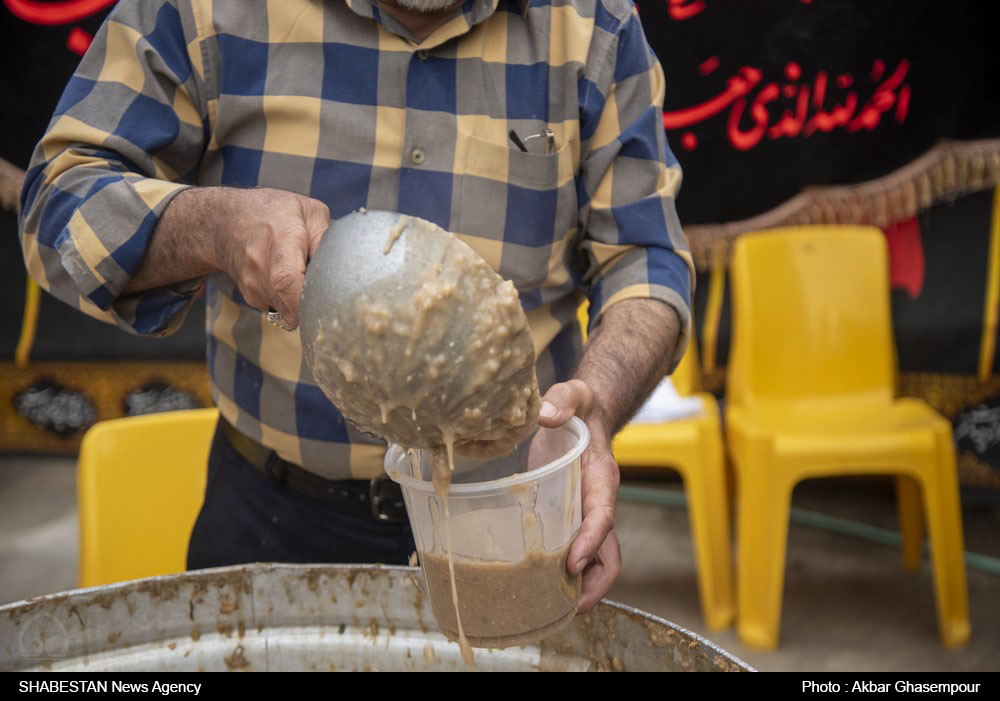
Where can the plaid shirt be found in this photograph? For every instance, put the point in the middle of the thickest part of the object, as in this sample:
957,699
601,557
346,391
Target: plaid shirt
336,101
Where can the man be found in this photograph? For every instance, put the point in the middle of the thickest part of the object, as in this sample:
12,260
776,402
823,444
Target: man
210,142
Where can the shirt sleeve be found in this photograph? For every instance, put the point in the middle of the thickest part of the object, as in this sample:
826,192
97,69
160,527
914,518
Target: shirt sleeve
125,139
632,238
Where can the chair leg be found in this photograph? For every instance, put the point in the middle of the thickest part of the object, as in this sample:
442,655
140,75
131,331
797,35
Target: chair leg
732,488
707,510
910,520
944,521
763,509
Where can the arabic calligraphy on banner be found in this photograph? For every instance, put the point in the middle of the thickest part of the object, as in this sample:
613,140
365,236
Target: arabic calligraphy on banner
790,105
766,98
794,107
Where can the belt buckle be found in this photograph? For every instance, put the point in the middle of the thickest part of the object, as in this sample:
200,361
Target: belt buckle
387,508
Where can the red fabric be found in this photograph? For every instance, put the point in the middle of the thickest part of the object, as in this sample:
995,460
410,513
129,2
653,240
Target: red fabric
906,257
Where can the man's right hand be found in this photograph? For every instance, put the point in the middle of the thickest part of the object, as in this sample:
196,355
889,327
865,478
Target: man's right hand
269,238
261,238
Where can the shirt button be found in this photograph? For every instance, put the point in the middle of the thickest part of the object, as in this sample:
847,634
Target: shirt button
417,155
422,54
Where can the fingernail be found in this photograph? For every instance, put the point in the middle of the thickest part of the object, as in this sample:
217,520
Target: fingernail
548,411
580,564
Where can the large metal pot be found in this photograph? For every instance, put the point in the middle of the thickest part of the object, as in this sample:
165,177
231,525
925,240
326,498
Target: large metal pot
311,617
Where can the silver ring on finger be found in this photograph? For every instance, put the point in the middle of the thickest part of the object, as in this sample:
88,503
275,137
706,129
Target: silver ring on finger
275,318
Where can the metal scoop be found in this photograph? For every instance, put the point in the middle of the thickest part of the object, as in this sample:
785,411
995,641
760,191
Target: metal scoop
400,324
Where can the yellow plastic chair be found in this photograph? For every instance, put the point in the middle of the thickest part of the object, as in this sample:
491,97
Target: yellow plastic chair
693,447
140,485
810,393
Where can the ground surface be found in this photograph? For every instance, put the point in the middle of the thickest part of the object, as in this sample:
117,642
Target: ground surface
848,605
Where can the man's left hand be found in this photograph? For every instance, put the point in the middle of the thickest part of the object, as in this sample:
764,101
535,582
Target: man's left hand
595,550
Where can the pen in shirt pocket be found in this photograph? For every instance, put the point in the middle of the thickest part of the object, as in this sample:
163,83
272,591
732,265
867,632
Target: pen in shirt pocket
547,134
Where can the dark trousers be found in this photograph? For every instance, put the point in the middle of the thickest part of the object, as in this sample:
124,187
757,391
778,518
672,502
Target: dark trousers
247,518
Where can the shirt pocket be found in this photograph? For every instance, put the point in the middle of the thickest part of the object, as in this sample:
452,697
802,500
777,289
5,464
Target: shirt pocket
516,208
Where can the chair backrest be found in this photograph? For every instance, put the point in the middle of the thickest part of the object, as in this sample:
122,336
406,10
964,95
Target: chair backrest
811,315
140,485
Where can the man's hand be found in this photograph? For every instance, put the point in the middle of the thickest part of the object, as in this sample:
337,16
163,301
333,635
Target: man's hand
595,550
261,238
627,355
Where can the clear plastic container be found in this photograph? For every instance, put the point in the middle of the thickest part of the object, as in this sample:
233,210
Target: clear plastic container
512,521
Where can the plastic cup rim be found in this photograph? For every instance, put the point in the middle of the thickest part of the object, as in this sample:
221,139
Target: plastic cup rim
478,488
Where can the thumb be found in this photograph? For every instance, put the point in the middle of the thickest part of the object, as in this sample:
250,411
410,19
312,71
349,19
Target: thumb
563,400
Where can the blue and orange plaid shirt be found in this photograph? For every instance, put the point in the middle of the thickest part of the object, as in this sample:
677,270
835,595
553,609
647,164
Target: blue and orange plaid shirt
335,100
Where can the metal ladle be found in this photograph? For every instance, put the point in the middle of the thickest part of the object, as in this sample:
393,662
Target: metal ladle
359,365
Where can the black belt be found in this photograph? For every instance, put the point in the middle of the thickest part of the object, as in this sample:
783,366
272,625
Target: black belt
382,496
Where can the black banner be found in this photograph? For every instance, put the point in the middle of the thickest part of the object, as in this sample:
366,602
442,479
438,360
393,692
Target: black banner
767,97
